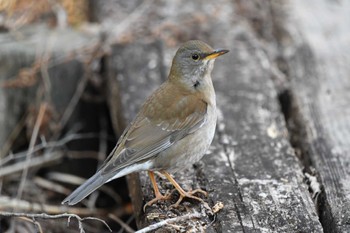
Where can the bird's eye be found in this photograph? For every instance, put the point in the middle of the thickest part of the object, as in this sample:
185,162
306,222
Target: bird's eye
195,57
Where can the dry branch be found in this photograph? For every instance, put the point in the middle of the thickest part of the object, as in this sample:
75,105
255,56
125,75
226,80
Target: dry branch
121,223
115,33
41,161
32,143
58,216
7,203
36,224
169,221
48,145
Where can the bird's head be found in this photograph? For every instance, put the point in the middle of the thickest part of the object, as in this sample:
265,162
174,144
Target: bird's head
193,62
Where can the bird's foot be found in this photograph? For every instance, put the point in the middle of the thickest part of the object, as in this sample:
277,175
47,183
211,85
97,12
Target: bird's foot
159,197
190,194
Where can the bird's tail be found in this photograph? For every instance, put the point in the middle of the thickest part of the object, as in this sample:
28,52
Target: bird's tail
98,180
85,189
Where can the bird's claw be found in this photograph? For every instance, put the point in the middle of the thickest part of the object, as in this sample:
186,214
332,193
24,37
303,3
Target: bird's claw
190,194
159,197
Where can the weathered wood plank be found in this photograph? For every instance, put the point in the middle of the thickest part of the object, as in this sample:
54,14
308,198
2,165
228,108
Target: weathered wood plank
251,167
319,72
264,167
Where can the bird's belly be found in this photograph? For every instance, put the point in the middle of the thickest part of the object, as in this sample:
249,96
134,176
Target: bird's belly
188,150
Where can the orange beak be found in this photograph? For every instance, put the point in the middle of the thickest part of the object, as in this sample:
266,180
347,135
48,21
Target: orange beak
215,54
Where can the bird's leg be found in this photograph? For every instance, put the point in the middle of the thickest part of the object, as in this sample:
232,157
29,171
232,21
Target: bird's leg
183,193
158,195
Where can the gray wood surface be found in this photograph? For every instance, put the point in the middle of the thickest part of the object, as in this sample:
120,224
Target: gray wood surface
319,71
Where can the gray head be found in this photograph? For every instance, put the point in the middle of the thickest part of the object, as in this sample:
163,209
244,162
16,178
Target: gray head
193,62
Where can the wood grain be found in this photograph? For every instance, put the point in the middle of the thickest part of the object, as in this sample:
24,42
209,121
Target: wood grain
320,83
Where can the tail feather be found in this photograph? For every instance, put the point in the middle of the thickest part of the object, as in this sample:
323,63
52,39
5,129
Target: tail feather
98,180
85,189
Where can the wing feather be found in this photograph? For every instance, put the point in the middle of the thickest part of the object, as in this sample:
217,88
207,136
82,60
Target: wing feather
153,131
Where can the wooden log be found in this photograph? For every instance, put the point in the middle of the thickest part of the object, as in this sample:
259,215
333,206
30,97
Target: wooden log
251,167
319,71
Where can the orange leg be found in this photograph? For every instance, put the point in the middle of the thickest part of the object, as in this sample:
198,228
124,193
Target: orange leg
158,195
183,193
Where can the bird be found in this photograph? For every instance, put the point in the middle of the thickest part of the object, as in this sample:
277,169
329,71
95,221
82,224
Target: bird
173,129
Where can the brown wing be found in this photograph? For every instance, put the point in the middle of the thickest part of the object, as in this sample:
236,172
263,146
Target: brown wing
165,118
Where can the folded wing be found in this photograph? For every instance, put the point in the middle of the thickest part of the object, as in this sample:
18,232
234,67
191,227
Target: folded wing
150,133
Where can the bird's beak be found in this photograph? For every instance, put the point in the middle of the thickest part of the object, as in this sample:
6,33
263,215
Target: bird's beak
215,54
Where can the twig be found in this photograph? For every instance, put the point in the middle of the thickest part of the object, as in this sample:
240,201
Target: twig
121,223
45,77
169,221
14,134
36,224
59,59
33,139
35,162
96,52
132,217
47,184
58,216
46,145
7,203
74,100
103,145
115,34
60,13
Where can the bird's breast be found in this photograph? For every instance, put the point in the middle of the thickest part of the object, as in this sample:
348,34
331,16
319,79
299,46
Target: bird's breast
190,149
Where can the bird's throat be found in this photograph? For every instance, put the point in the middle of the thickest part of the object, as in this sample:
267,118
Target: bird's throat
196,84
